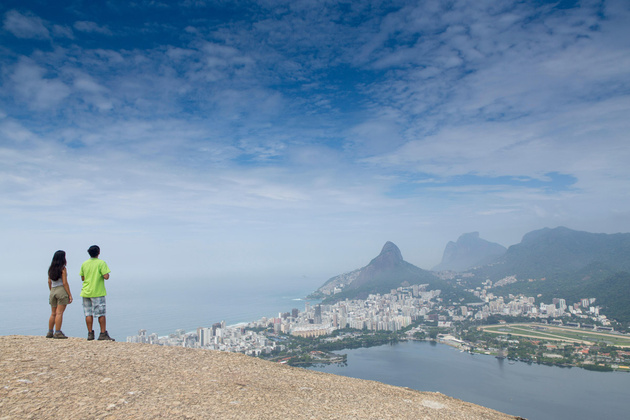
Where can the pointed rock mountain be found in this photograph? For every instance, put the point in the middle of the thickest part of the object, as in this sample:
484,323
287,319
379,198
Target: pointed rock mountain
385,272
390,256
469,251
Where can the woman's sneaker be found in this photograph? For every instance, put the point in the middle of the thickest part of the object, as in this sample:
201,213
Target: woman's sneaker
105,336
59,334
49,334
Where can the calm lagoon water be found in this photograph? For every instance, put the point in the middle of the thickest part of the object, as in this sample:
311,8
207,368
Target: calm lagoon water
530,391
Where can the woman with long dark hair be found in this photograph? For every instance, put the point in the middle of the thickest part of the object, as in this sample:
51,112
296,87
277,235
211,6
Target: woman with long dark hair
60,294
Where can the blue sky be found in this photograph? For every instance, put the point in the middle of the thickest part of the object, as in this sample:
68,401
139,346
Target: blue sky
292,139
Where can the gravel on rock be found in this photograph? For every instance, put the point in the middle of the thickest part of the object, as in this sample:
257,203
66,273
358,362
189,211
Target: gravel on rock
75,378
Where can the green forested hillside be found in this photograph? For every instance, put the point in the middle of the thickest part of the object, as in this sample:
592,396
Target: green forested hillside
555,252
613,293
568,264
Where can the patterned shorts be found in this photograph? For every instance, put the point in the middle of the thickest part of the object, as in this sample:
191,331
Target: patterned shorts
94,306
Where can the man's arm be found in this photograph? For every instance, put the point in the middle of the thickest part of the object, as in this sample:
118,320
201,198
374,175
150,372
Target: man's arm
106,276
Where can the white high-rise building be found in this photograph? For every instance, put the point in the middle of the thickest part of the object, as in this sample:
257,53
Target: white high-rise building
204,336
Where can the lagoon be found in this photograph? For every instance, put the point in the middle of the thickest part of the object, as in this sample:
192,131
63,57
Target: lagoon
520,389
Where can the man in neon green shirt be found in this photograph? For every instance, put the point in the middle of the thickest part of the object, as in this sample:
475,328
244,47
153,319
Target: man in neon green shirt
93,274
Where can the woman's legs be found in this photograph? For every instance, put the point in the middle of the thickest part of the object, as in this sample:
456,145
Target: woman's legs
51,320
59,317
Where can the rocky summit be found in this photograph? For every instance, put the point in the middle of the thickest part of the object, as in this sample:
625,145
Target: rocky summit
386,271
469,251
45,378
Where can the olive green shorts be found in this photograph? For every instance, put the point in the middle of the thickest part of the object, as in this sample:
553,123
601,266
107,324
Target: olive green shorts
58,296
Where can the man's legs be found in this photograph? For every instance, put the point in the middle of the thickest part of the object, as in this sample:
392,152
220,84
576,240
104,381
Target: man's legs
99,311
88,311
104,335
89,320
102,322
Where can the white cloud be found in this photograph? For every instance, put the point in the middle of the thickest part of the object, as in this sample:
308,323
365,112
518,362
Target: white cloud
13,132
91,27
579,141
496,211
60,31
38,91
376,136
536,93
25,26
92,92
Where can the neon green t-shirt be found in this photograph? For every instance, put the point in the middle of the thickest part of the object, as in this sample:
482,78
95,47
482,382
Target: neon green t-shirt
93,271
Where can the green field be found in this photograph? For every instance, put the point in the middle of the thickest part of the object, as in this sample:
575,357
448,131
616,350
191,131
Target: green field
555,333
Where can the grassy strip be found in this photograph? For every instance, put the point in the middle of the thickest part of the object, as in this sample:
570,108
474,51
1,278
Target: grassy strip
559,334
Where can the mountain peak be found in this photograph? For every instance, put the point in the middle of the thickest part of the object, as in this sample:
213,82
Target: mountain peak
390,256
385,272
391,251
467,236
559,231
469,251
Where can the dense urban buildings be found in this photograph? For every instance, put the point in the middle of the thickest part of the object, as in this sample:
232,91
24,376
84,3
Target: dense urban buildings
393,311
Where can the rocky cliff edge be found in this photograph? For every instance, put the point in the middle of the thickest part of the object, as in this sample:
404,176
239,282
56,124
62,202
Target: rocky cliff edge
75,378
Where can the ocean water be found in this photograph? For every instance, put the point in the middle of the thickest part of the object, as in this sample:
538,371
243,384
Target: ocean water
161,308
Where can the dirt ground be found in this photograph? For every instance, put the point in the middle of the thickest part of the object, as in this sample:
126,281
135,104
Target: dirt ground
75,378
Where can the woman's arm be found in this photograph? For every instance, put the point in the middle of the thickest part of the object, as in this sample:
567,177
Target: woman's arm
64,277
49,284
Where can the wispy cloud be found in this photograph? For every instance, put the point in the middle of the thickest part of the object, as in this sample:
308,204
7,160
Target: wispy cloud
91,27
34,88
25,26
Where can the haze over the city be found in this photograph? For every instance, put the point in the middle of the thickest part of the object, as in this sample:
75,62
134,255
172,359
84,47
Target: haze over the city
292,139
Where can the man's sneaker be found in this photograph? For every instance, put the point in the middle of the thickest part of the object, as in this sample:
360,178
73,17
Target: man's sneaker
105,336
49,334
59,334
91,335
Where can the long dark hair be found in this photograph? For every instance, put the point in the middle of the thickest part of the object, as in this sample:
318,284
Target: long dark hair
57,265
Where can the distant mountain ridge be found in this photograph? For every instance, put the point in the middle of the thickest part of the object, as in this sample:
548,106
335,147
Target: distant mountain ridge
547,252
469,251
547,263
385,272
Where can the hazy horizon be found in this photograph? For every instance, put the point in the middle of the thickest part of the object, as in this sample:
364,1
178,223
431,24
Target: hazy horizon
208,140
